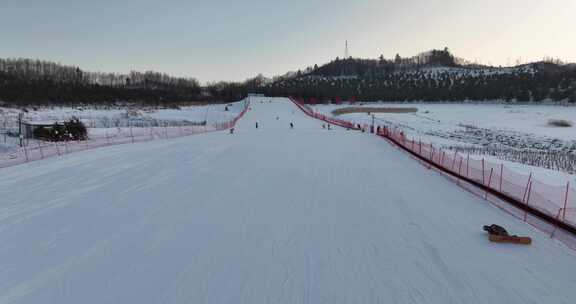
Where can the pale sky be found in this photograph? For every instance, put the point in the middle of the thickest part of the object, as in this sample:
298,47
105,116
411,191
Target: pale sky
233,40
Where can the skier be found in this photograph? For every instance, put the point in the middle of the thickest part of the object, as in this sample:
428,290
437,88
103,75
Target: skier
323,126
256,125
291,125
328,126
232,131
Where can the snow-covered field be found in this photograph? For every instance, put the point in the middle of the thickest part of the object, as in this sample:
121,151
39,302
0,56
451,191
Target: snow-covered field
273,215
512,127
113,121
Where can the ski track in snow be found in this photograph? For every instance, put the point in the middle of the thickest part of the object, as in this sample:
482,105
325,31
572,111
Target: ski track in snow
261,216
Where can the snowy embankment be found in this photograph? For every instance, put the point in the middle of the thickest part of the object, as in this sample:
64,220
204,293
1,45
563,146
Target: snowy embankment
131,126
268,215
114,120
513,128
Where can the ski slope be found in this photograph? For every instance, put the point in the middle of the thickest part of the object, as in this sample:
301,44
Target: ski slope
271,215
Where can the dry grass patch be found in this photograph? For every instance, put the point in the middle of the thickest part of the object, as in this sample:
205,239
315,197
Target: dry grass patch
370,110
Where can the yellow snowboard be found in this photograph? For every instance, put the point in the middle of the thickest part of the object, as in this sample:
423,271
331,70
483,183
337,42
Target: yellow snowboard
523,240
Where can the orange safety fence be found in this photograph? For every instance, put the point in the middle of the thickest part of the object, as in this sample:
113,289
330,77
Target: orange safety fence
42,149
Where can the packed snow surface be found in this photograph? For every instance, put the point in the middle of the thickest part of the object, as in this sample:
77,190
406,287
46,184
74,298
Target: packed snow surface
268,215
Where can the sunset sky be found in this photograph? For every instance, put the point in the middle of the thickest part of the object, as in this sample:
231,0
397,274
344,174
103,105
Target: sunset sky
233,40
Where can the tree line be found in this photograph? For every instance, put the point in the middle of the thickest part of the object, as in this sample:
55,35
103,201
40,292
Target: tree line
24,81
433,76
436,75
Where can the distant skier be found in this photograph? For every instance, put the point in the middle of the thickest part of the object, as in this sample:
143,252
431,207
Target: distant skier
291,125
323,126
277,117
328,126
256,125
232,131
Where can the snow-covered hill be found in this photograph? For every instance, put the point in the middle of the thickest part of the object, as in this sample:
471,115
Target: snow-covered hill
268,215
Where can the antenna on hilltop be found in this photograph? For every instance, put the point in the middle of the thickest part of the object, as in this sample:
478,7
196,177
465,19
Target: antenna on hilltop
346,50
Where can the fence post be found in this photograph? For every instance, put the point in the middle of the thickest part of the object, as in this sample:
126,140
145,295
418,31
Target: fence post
501,176
454,161
467,165
566,201
41,152
420,148
527,202
527,185
489,180
483,175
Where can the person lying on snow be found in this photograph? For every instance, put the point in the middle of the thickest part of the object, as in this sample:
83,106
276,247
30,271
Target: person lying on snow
496,230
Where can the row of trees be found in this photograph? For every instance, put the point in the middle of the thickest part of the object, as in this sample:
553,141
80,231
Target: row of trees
36,70
435,75
25,81
388,81
382,66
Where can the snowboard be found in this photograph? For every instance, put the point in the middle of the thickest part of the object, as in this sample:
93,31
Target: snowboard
514,239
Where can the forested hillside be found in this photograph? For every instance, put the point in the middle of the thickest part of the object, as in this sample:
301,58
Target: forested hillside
433,76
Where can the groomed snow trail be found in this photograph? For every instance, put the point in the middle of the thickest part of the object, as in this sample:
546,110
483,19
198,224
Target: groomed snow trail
272,215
